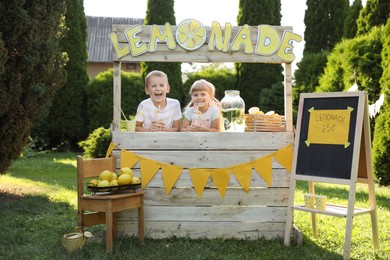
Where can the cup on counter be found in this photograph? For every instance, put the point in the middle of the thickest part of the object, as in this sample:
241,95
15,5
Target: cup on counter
309,201
321,202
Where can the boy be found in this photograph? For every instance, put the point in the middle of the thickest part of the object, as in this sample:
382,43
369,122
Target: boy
158,113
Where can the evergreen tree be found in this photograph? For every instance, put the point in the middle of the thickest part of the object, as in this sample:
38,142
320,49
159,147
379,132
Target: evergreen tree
30,69
381,142
161,12
254,80
324,21
375,13
350,24
66,122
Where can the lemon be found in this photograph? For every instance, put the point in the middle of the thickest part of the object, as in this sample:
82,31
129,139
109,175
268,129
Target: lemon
253,110
190,34
114,176
114,183
93,183
105,175
124,179
126,170
135,180
103,183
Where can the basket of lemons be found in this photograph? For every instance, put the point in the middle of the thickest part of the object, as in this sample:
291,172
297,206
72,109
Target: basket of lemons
258,121
109,181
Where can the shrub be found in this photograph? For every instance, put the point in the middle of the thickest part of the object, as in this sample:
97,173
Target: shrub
97,143
100,97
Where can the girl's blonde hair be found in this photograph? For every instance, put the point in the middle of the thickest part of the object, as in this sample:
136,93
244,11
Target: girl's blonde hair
156,73
203,85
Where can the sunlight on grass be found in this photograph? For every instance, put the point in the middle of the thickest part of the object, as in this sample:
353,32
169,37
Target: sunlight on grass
54,192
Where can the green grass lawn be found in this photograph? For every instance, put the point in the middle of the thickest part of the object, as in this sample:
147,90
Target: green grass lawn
38,205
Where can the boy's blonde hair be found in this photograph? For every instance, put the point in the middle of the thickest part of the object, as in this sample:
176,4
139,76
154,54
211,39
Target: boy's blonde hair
156,73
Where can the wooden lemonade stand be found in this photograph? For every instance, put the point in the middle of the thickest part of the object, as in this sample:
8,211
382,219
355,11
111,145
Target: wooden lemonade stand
207,185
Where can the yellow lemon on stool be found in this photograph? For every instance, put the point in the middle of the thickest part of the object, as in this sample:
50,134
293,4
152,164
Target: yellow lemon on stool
105,175
126,170
124,179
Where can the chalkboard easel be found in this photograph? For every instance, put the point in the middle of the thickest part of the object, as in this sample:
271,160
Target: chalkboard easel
333,145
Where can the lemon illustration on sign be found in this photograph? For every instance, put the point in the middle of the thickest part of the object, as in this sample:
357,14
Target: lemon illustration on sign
124,179
190,34
105,175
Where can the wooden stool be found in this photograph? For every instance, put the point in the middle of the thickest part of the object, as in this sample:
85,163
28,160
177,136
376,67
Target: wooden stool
102,209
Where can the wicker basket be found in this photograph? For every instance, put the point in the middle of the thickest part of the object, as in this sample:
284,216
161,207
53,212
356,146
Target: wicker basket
264,123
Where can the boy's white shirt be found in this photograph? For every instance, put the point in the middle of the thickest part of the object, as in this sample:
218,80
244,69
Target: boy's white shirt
147,112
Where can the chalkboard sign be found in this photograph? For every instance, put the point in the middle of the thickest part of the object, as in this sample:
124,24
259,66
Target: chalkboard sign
333,145
327,124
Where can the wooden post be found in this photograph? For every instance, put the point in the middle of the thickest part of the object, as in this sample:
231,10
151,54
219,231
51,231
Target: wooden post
116,122
288,111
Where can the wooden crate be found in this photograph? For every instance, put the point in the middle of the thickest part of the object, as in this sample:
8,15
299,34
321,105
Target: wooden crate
241,215
265,123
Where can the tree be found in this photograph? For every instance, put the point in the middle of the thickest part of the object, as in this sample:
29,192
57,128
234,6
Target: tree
254,79
375,13
324,20
381,142
66,122
31,69
161,12
350,24
100,97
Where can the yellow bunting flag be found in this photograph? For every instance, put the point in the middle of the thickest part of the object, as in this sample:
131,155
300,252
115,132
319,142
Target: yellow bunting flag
170,174
148,170
221,179
110,148
243,174
284,157
263,166
128,159
199,179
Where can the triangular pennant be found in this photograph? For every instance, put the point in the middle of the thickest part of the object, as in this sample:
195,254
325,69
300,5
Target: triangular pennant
199,179
170,174
110,149
128,159
148,170
243,174
263,166
221,179
285,156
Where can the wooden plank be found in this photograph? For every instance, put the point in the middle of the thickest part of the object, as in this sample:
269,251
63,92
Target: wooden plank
209,214
187,197
204,159
119,30
202,141
208,230
280,178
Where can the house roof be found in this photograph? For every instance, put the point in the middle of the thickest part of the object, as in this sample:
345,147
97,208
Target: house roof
98,28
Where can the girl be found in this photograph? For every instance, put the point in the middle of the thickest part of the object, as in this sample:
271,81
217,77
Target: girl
202,114
158,113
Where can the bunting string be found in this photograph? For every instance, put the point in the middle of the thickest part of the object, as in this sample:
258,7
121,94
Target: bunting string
200,176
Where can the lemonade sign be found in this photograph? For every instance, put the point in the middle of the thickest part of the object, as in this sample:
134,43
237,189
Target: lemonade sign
329,126
191,35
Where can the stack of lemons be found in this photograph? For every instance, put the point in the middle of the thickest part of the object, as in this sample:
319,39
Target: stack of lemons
112,179
257,111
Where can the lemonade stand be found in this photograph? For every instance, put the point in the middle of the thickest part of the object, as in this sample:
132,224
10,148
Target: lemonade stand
207,185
